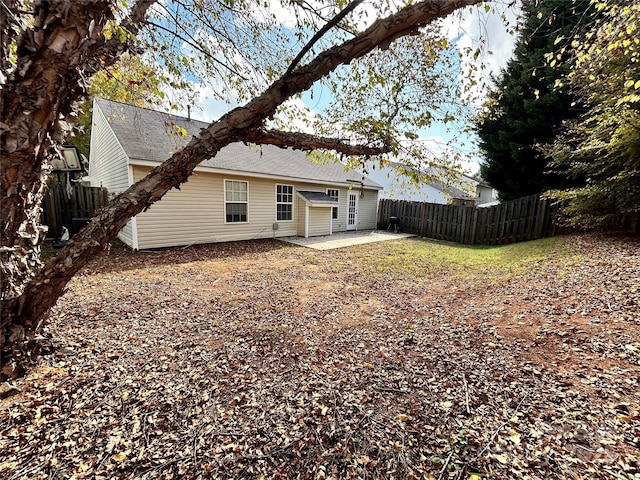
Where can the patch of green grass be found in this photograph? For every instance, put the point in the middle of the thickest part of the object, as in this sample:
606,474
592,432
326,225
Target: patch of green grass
424,257
47,251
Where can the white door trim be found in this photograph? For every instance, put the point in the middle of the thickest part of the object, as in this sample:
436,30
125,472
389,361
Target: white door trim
352,210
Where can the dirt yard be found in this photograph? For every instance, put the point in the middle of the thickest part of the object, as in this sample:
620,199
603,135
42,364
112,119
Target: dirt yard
265,360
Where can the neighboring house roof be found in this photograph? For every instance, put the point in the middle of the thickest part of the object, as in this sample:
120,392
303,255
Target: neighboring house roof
450,190
148,136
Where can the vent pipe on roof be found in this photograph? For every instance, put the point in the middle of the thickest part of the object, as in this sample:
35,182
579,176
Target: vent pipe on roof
189,112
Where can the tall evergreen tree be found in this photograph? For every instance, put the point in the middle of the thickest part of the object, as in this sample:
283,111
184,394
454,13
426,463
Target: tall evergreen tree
526,108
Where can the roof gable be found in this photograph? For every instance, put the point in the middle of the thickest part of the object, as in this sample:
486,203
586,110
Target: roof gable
148,136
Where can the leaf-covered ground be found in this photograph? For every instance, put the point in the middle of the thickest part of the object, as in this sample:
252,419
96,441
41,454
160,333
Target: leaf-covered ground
404,359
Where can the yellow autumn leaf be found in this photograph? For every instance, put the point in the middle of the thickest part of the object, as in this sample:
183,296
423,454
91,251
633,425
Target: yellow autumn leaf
535,433
118,457
403,417
501,458
514,436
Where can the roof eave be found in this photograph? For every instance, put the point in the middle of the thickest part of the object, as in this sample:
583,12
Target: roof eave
223,171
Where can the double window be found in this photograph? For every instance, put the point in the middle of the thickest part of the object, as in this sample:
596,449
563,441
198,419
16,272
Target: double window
334,194
236,201
284,202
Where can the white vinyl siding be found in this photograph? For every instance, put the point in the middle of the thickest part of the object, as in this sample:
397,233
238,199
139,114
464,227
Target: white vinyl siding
368,210
108,162
319,221
301,215
195,214
108,165
126,235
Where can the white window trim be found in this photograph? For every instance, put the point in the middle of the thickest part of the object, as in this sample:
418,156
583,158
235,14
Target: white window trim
224,188
293,191
337,207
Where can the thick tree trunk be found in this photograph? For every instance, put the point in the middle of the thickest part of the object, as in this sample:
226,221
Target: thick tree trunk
25,309
63,46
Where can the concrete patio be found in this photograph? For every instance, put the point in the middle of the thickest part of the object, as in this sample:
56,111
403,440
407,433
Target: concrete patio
345,239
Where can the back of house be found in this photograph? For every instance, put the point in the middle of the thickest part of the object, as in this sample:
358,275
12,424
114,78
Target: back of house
244,192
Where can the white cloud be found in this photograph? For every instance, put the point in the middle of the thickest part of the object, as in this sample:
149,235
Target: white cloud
275,10
208,108
439,151
294,116
488,32
158,10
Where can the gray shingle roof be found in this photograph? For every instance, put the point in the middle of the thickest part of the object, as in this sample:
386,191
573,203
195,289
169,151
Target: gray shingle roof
147,135
453,192
317,198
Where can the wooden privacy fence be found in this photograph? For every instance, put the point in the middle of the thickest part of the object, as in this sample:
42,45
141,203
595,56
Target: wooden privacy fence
71,207
519,220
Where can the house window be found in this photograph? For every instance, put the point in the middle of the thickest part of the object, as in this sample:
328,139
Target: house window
334,194
235,201
284,202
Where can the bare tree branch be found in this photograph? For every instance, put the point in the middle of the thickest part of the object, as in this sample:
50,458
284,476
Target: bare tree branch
304,141
320,33
192,42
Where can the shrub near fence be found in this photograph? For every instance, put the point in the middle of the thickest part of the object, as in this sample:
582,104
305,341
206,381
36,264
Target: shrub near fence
519,220
61,209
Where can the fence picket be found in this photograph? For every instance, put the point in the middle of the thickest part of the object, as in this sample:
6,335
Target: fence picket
59,210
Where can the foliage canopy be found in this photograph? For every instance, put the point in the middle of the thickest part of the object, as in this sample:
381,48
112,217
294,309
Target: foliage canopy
603,144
